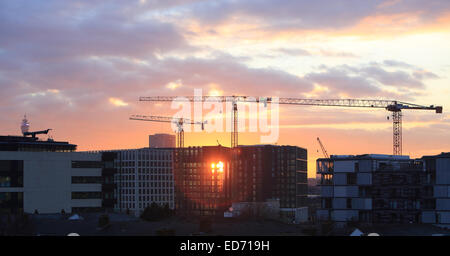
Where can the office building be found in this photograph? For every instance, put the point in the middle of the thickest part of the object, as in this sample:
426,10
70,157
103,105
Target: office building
48,177
143,176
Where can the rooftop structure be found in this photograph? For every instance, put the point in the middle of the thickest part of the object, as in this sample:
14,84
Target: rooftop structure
161,140
29,141
20,143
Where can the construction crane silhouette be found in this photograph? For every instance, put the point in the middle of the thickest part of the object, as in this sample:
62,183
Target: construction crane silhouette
180,122
393,106
324,151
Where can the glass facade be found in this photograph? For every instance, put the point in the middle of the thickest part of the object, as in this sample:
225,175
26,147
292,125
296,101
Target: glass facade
202,180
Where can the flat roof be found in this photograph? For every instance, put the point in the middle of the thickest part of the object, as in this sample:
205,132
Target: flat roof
22,143
441,155
366,156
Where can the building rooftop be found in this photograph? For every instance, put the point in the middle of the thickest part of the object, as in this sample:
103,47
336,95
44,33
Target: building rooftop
22,143
267,145
367,156
441,155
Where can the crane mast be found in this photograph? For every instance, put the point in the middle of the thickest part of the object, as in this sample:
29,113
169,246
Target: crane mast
393,106
180,122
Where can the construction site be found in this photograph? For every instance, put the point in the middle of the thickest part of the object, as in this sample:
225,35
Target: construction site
366,188
234,127
241,182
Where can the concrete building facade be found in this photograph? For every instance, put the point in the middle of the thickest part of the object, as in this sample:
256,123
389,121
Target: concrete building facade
49,177
143,176
49,182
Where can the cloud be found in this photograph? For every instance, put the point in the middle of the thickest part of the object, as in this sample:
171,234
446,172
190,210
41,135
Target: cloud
294,51
329,53
423,74
395,63
103,85
86,83
117,102
48,31
74,66
319,52
339,82
372,80
234,77
395,78
302,14
330,15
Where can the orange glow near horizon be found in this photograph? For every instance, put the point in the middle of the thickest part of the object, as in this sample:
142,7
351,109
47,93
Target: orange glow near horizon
86,90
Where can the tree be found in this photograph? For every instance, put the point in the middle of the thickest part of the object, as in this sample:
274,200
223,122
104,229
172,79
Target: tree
154,212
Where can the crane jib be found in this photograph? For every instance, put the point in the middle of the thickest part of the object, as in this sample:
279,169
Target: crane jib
390,105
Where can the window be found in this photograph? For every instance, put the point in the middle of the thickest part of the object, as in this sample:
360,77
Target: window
351,178
11,202
349,203
86,195
326,203
86,209
86,179
11,173
87,164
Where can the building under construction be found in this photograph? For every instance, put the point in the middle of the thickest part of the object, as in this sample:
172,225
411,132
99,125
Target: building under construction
266,172
384,189
209,179
202,180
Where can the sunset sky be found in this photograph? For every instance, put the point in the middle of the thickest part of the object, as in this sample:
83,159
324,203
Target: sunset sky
79,67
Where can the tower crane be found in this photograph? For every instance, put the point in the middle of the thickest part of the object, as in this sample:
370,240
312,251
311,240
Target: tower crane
324,151
178,121
393,106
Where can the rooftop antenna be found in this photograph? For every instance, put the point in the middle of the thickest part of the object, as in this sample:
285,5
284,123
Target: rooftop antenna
25,126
